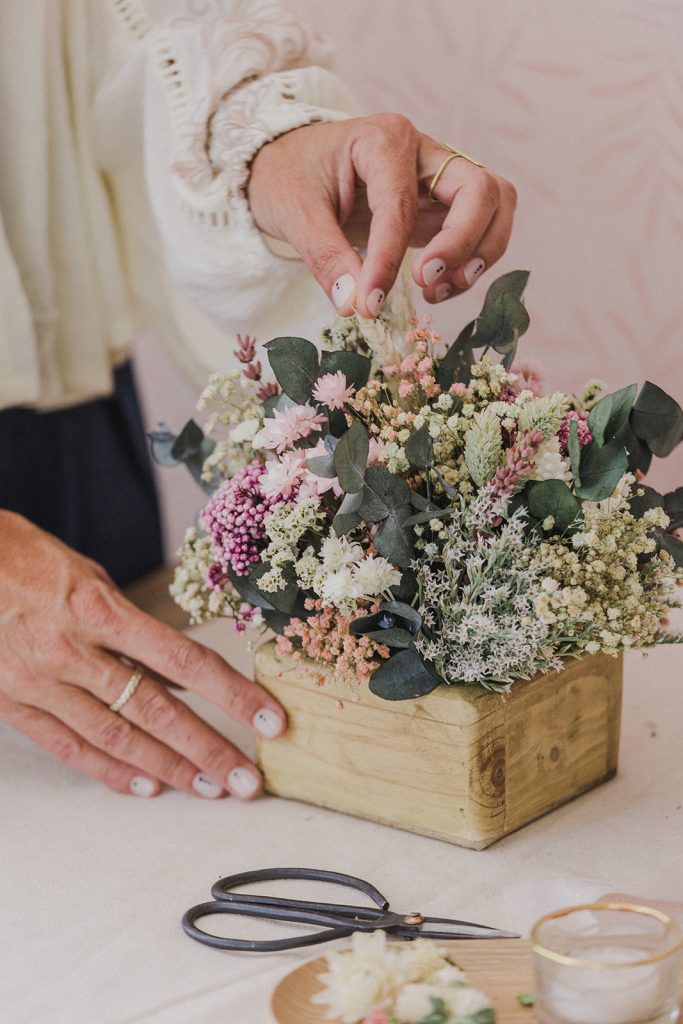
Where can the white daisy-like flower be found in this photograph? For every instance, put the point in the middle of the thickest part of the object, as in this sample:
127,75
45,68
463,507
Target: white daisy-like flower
245,431
339,552
375,575
340,589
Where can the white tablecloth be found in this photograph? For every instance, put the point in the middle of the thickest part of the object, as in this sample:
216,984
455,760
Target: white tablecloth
93,884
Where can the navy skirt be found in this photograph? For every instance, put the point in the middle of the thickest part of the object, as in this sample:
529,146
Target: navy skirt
84,474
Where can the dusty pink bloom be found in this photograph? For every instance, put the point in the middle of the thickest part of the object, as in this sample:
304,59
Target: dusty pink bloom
405,388
519,463
333,391
458,389
376,449
283,428
284,475
376,1016
585,436
530,377
325,638
266,391
245,352
234,517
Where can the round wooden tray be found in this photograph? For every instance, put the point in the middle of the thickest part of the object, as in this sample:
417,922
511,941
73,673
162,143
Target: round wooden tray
291,1000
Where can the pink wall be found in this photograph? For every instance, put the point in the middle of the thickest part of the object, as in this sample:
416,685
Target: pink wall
580,104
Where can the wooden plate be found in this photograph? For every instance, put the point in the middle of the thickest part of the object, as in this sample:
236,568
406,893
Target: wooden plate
500,967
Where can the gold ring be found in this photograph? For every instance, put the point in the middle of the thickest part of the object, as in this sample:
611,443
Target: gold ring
128,690
452,154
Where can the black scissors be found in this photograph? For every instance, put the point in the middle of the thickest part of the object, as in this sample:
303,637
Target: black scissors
337,920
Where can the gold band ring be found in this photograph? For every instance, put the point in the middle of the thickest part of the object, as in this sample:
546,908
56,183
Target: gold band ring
453,153
128,691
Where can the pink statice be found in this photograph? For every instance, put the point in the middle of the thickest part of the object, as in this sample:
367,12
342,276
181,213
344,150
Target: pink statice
333,391
234,517
585,436
283,428
284,475
519,463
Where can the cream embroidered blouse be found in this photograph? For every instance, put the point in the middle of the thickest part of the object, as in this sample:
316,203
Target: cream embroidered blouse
127,132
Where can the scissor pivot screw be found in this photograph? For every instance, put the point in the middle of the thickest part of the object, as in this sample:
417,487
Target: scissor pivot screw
413,919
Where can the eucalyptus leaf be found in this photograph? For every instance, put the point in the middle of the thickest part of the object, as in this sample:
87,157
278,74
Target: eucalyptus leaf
419,448
509,357
351,502
404,676
161,444
322,465
553,498
295,363
574,449
669,543
395,637
456,364
277,403
673,505
428,515
515,281
188,442
640,504
276,620
338,424
351,457
501,323
418,500
609,414
393,540
247,586
287,599
658,419
354,366
448,489
331,443
383,493
407,588
602,467
639,454
345,522
409,616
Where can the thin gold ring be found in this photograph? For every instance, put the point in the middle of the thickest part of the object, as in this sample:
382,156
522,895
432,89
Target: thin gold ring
128,691
453,153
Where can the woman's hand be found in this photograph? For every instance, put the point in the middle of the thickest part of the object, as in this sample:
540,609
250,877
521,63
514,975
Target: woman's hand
324,188
63,629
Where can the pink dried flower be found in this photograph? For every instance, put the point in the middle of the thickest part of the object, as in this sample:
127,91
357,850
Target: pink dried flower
585,436
234,517
519,463
267,391
458,389
283,428
252,371
376,1016
246,348
405,388
283,476
325,638
530,377
333,391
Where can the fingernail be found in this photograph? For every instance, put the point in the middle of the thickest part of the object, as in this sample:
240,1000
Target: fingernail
205,786
140,785
343,290
267,722
473,269
443,291
432,270
374,301
243,783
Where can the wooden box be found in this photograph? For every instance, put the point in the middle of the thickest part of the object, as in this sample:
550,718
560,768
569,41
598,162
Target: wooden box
459,764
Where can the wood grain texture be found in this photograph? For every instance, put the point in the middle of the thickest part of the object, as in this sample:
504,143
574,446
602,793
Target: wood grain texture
500,967
459,764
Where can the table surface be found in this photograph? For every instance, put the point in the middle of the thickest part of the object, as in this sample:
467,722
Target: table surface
93,884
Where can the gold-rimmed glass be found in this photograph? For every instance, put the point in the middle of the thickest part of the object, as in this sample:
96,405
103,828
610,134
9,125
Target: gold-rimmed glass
607,963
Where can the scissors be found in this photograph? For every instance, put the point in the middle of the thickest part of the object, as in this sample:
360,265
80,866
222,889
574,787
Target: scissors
336,920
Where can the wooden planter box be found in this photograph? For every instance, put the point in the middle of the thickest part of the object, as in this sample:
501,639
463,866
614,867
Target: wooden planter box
459,764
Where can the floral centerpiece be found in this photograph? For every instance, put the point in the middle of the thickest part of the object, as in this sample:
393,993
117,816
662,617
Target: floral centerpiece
411,513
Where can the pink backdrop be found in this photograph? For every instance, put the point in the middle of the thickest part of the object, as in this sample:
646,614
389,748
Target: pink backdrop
579,104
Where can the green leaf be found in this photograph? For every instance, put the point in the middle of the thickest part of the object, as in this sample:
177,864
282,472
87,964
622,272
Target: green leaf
190,447
552,498
485,1016
407,588
602,467
669,543
286,600
161,443
351,457
456,364
354,366
639,454
501,323
658,419
247,586
515,281
509,357
438,1013
277,403
188,442
404,676
609,414
294,362
322,465
276,620
420,448
526,999
395,637
383,493
393,540
347,517
428,515
650,498
412,620
673,505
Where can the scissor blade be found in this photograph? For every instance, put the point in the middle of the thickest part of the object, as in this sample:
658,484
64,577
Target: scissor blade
461,930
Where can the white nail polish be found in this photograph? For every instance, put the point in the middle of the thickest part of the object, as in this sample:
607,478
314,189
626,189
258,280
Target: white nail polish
443,291
205,786
242,782
374,301
432,270
343,290
140,785
267,722
473,269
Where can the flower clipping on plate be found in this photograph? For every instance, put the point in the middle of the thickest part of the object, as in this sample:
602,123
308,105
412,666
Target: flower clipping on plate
374,982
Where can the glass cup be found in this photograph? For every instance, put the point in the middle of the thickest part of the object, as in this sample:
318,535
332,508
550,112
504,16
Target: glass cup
607,963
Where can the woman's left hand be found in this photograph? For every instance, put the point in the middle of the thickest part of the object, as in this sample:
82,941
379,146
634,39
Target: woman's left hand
324,188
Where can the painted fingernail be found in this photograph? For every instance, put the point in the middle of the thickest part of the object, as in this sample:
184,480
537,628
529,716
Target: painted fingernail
140,785
343,290
443,291
205,786
267,722
432,270
473,269
243,783
374,301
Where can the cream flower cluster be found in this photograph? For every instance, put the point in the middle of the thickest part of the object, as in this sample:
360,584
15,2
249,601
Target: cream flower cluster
378,981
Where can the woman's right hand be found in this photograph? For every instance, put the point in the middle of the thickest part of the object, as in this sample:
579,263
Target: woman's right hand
64,628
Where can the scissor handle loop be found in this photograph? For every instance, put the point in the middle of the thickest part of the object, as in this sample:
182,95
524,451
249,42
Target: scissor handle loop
222,889
260,945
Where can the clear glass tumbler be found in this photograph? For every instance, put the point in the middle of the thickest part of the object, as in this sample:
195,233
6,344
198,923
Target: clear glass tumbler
607,963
